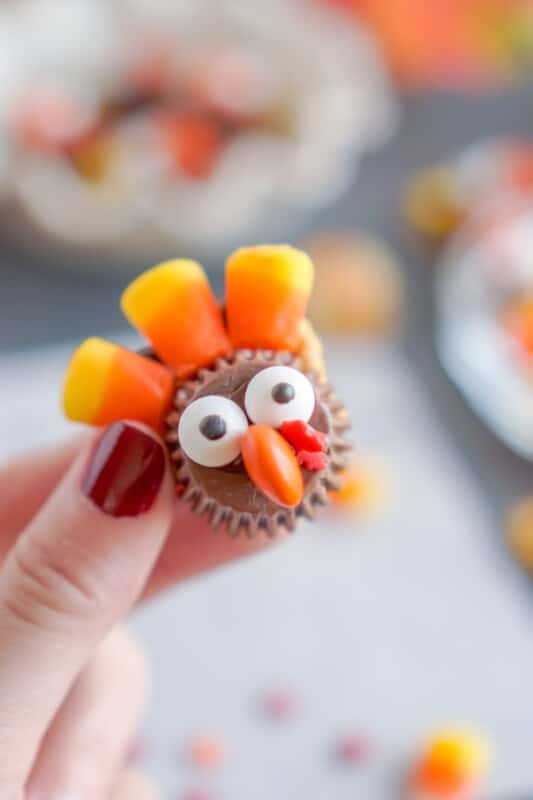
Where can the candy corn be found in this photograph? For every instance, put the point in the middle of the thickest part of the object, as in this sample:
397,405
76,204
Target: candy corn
517,319
358,284
267,289
451,766
519,530
310,351
193,142
363,488
433,204
105,383
173,306
92,156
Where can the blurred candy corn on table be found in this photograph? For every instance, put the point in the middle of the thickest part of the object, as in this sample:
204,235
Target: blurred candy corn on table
451,766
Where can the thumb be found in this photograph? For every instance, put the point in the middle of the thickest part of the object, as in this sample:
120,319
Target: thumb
72,574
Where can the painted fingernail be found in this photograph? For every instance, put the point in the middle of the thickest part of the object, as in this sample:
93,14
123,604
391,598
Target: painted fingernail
125,471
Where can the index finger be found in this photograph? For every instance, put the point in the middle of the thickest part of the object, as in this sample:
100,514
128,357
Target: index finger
27,482
191,548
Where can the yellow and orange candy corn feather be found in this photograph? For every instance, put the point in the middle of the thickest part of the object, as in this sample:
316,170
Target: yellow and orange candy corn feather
267,289
174,307
105,383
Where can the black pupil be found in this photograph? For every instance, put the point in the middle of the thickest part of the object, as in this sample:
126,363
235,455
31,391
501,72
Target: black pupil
213,427
283,393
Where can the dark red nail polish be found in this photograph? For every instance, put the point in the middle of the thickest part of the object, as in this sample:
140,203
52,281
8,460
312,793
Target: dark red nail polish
125,471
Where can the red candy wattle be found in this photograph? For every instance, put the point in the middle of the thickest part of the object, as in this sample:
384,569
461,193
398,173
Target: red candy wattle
303,436
311,461
310,445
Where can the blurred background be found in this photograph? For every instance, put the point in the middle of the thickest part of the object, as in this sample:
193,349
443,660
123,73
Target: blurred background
386,651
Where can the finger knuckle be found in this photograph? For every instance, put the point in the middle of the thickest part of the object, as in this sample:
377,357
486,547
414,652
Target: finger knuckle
52,588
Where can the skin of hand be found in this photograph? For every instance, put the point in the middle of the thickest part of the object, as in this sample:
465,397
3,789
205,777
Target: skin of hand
87,530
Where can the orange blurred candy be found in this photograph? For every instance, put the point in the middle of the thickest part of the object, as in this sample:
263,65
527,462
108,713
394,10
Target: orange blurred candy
193,142
521,166
443,42
451,767
92,156
151,69
267,289
105,383
433,202
174,307
520,531
272,466
208,752
358,284
362,488
517,319
46,120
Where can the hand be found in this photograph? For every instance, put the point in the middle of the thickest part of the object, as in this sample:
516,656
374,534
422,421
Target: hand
85,531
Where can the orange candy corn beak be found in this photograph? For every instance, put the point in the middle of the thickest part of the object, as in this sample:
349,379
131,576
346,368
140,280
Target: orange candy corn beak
272,465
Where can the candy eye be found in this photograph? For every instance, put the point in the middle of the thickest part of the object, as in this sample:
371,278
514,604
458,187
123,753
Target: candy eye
278,394
210,430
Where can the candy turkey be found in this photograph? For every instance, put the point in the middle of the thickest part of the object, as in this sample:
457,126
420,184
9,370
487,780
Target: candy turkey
255,433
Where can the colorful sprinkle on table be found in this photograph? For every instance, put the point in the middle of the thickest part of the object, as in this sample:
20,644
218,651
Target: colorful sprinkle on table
195,794
353,748
280,704
208,752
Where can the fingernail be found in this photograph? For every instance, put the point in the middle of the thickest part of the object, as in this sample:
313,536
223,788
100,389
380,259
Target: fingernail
125,471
